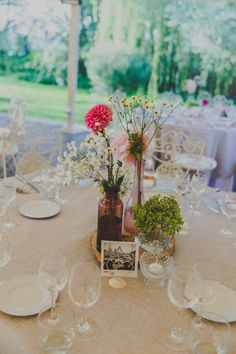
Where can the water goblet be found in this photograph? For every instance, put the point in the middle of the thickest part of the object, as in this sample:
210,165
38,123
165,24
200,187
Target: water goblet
56,336
183,292
8,193
199,185
209,285
5,247
228,208
181,184
84,291
53,273
192,202
208,338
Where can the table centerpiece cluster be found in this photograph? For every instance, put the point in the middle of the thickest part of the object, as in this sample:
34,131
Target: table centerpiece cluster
109,158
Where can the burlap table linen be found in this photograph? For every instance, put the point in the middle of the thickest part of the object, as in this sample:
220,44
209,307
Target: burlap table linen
130,320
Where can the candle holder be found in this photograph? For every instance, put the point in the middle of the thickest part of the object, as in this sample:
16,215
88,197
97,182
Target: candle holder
156,268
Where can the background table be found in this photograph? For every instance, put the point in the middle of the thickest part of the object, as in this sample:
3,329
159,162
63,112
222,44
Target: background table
130,320
220,138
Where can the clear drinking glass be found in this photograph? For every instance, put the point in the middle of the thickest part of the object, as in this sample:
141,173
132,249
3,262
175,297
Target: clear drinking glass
228,208
8,193
56,336
5,247
199,184
181,184
209,285
192,202
84,291
53,273
183,292
207,337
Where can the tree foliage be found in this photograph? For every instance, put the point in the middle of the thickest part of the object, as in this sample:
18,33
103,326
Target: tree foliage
133,45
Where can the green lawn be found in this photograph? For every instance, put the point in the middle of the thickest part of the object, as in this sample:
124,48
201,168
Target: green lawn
45,101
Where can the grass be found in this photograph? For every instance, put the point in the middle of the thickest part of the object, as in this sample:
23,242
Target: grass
45,101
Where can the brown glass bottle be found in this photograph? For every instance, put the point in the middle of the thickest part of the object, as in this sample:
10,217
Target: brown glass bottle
110,211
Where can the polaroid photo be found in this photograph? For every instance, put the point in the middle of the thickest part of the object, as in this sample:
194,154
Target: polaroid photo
119,259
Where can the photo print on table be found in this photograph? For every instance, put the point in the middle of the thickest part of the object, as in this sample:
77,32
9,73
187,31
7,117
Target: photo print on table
119,259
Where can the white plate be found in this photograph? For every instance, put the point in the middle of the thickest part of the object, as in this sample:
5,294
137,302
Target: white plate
195,162
23,295
11,342
223,305
39,209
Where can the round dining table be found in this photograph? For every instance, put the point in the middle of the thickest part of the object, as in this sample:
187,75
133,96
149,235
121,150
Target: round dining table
131,320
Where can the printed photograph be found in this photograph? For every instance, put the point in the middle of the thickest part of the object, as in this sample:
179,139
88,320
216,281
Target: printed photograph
119,258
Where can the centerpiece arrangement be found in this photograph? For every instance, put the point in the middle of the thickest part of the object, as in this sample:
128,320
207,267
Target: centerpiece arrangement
107,159
157,221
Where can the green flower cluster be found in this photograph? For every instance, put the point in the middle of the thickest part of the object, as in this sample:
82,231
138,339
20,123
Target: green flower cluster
158,213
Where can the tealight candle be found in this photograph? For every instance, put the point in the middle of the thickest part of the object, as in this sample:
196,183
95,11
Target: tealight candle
155,268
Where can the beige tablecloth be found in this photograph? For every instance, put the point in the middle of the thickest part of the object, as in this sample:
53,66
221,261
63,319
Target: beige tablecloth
130,320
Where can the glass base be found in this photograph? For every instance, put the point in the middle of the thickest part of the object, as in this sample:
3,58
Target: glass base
9,225
175,341
227,233
87,330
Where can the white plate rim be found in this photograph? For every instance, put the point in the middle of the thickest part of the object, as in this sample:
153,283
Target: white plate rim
209,314
44,304
31,215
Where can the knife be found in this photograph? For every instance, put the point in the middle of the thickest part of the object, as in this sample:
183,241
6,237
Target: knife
26,181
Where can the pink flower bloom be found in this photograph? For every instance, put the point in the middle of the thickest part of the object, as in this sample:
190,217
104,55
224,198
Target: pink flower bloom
98,117
205,102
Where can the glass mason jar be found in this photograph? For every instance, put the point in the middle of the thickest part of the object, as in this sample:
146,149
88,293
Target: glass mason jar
110,212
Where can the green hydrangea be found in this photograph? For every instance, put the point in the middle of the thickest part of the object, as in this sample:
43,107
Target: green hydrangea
158,213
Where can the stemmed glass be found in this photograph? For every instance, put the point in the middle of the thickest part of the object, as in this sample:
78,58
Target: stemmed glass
56,336
183,292
192,202
228,208
84,291
5,247
209,285
206,338
199,184
181,184
53,273
8,192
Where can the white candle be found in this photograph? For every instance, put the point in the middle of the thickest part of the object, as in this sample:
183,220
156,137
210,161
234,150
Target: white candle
155,268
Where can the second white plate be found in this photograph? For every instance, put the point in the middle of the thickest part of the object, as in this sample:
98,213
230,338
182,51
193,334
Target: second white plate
39,209
23,295
223,305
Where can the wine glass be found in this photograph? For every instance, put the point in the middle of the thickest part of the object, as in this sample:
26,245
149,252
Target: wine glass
53,273
228,208
192,202
56,336
3,209
84,291
183,292
181,184
5,247
8,193
199,184
209,285
206,338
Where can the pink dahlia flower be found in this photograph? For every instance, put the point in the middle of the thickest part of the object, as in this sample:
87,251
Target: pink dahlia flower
98,117
205,102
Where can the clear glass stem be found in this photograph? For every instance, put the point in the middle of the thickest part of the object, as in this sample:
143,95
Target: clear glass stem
53,301
178,328
83,322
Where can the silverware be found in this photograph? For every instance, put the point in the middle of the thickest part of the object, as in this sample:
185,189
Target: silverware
26,181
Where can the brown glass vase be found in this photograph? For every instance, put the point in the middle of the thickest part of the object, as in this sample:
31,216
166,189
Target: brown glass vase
110,211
